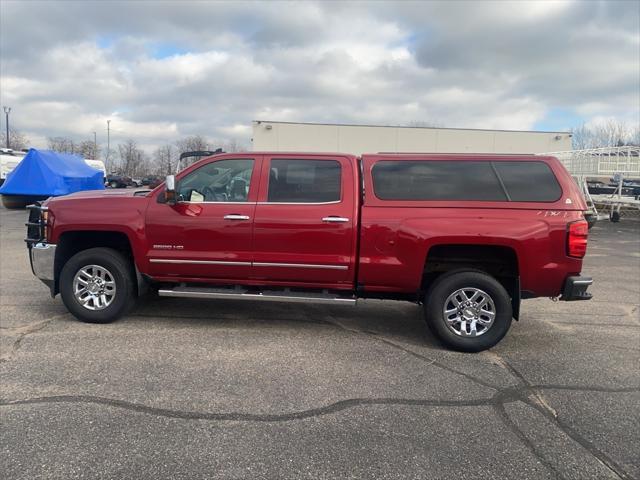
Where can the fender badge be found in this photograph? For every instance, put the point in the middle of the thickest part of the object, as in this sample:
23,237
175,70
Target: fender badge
168,247
568,201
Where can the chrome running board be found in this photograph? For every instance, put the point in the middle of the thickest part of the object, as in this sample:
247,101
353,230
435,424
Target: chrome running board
238,293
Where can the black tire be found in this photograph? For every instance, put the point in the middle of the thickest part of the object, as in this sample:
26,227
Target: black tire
449,283
122,272
614,216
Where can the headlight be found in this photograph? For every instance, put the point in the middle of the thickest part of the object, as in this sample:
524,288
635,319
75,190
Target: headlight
47,223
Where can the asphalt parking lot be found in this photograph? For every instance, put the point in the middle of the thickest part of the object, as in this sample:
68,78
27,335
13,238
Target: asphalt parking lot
226,389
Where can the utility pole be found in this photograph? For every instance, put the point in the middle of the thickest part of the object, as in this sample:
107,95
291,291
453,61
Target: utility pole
108,141
95,145
7,110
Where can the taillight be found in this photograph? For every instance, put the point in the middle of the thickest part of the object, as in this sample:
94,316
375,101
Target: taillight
577,239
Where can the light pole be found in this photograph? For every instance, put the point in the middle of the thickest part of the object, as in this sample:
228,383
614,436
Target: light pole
7,110
95,145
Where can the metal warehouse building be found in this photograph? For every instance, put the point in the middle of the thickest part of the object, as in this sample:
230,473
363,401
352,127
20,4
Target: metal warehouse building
358,139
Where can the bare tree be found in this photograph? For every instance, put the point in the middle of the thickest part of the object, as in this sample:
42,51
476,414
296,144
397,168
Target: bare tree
635,136
87,149
143,166
17,140
133,161
193,143
581,137
61,144
110,160
165,160
612,133
233,146
129,159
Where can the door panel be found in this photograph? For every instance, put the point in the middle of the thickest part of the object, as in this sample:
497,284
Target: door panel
304,230
208,234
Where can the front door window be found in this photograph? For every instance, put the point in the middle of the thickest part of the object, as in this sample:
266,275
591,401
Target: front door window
221,181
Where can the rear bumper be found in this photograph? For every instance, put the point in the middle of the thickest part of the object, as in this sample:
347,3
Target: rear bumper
575,288
42,256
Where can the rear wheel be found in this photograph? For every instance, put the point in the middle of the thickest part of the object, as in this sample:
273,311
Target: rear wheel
97,285
468,311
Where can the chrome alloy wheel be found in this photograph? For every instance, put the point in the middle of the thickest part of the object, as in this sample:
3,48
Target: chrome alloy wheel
94,287
469,312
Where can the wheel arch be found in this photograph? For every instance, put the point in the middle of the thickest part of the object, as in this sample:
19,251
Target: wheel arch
70,243
498,260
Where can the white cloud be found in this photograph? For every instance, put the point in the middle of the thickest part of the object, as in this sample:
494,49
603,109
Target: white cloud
210,68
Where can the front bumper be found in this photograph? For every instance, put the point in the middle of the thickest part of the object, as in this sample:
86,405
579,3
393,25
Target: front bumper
41,254
575,288
42,257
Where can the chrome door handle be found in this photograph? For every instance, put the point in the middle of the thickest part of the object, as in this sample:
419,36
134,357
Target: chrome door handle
234,216
334,219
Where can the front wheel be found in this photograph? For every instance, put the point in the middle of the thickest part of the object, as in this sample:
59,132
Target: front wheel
468,311
97,285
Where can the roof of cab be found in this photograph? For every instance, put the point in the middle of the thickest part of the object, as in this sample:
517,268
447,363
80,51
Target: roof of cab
455,156
398,155
272,153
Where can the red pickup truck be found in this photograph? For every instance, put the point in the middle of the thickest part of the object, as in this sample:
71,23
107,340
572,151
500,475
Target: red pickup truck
467,236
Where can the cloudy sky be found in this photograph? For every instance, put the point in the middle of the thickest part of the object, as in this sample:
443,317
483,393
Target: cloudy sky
161,70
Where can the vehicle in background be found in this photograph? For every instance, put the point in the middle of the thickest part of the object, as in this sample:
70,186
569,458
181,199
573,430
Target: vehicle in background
119,181
152,181
467,236
44,173
597,187
137,182
98,165
630,186
625,181
629,189
9,159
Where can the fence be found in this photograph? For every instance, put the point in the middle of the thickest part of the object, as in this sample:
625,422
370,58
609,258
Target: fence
600,162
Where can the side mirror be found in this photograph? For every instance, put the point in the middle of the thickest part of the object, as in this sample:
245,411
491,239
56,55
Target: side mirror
170,194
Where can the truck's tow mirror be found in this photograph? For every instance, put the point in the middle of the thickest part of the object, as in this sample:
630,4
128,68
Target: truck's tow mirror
170,190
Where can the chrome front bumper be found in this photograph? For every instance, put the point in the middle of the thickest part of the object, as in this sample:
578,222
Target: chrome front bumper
42,256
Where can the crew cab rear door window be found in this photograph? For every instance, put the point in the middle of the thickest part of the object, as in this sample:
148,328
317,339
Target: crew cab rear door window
436,180
304,181
529,181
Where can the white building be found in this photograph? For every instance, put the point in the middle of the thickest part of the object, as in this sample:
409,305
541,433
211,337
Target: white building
358,139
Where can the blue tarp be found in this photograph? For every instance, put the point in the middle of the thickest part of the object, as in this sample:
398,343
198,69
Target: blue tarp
44,172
